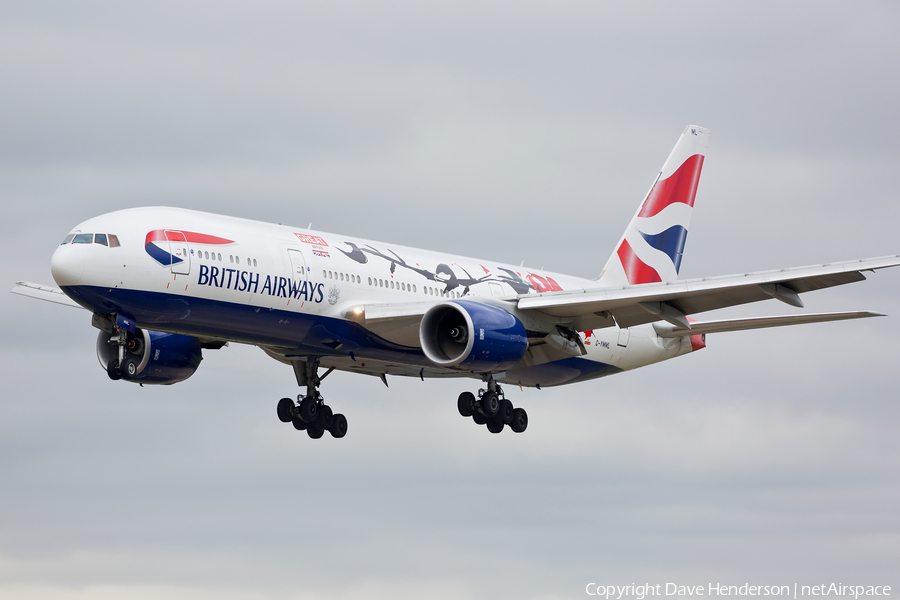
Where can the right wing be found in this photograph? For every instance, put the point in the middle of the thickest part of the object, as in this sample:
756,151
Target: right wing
43,292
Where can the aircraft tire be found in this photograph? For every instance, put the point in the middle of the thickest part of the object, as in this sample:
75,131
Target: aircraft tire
495,425
505,412
519,420
309,410
112,369
478,418
314,431
285,410
338,427
466,404
490,403
325,418
129,369
299,424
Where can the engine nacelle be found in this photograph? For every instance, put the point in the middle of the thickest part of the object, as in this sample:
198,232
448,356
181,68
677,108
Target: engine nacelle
478,337
161,358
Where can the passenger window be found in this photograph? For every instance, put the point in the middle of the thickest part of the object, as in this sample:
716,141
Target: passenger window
100,238
113,241
84,238
237,259
254,262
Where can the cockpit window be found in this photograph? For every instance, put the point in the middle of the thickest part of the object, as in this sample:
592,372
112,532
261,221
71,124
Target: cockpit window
84,238
68,239
100,238
113,241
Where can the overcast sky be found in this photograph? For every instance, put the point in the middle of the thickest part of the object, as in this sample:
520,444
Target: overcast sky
506,130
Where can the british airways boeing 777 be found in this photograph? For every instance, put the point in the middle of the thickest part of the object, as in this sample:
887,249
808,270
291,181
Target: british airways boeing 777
164,284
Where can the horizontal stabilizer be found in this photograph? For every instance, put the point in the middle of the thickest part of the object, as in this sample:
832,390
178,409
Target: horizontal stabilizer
667,330
43,292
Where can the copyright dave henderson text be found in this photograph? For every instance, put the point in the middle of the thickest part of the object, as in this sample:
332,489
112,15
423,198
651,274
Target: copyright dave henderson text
639,592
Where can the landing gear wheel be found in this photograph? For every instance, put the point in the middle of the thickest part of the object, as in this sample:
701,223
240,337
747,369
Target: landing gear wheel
466,404
505,412
338,427
285,410
479,418
495,425
112,369
326,416
129,369
314,431
519,420
490,403
299,424
309,409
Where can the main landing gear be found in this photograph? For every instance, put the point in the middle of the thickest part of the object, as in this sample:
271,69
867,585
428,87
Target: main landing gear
491,408
311,414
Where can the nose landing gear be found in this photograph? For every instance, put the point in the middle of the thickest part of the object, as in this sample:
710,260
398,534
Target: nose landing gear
130,349
311,414
492,408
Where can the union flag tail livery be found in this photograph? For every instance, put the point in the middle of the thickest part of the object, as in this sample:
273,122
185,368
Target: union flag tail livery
652,246
164,285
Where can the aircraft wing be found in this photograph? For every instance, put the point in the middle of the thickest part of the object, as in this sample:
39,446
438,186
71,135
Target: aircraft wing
43,292
646,303
667,330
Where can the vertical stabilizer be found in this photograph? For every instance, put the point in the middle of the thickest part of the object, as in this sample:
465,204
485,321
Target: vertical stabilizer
651,248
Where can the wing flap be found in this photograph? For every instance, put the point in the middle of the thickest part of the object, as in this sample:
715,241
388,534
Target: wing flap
702,327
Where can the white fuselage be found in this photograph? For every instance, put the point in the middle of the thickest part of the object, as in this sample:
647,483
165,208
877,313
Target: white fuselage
294,289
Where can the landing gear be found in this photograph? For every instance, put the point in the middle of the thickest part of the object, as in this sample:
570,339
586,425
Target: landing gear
125,360
112,369
311,414
491,408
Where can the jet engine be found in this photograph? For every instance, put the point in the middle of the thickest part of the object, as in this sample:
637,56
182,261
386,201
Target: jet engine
151,357
477,337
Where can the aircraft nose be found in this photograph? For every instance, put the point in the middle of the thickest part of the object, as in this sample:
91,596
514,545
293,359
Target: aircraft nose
67,265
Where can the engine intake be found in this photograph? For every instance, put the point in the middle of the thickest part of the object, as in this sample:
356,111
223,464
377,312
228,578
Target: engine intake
160,358
478,337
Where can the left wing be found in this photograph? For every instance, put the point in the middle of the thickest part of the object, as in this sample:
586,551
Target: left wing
667,330
637,304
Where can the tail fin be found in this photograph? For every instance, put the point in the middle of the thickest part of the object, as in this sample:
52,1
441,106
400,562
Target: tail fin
651,248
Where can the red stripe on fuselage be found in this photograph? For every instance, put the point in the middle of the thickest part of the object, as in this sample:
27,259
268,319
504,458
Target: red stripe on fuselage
680,186
192,238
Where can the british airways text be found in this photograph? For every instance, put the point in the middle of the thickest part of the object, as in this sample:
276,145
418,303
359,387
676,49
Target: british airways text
245,281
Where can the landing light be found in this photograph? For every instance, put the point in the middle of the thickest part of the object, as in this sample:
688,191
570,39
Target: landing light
356,312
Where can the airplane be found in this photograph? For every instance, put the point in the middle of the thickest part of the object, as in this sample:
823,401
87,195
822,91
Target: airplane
163,284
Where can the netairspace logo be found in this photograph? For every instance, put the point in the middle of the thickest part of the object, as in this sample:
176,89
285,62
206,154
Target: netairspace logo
642,591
